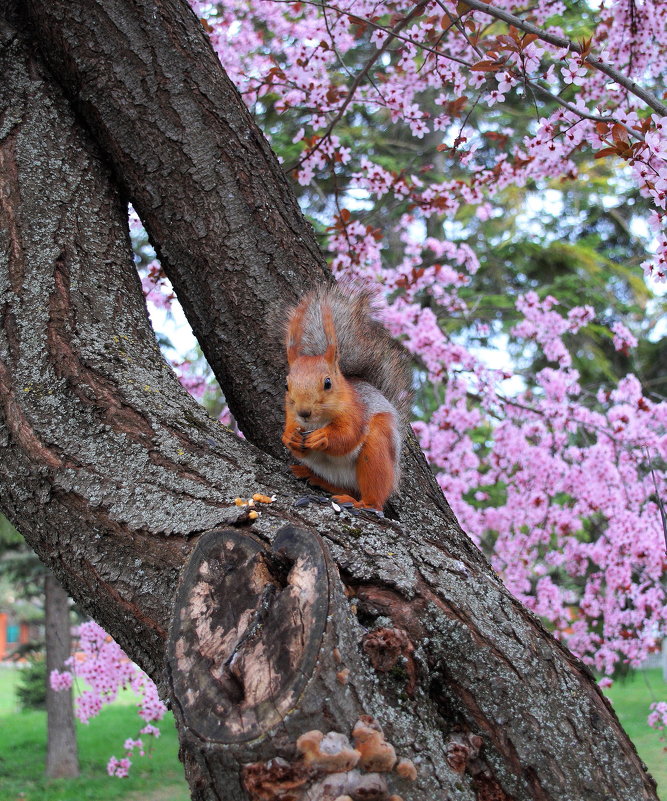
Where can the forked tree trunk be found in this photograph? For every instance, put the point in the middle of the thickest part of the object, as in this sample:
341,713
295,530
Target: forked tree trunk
301,620
62,760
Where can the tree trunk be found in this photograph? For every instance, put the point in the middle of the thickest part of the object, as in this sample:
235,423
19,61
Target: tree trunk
232,240
61,752
304,619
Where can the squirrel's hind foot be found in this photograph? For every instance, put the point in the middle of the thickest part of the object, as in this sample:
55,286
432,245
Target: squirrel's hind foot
345,499
301,471
338,494
362,504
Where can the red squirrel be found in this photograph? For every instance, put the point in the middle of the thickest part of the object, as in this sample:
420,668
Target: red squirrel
347,397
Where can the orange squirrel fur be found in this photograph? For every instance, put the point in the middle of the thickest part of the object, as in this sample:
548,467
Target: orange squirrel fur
347,397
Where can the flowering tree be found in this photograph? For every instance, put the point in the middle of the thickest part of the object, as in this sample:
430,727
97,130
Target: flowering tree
560,485
102,665
113,474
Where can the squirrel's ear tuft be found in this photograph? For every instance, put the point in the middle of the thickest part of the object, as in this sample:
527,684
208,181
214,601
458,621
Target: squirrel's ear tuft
295,332
331,353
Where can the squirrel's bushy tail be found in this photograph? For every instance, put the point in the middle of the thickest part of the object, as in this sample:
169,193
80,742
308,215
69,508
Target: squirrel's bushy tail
366,350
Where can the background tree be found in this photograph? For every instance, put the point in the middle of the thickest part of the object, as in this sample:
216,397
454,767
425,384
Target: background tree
61,749
26,574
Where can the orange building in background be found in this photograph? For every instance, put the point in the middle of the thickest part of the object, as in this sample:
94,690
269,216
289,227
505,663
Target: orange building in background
3,635
12,633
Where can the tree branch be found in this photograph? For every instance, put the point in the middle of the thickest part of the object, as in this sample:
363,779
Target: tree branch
498,13
211,193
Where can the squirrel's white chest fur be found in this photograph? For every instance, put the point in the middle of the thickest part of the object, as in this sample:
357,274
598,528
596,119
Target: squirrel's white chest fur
341,471
338,470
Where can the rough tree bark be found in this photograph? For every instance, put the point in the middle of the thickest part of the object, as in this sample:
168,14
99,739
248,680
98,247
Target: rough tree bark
302,620
62,758
247,237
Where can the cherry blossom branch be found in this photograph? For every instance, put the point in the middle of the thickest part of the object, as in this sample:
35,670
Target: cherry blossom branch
535,86
658,500
579,112
332,39
378,27
559,41
360,77
395,34
648,97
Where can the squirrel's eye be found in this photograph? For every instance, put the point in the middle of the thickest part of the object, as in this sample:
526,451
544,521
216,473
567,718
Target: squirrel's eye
286,387
327,383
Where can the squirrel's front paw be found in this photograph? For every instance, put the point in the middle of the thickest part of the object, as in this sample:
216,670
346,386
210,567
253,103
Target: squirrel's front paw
317,441
294,442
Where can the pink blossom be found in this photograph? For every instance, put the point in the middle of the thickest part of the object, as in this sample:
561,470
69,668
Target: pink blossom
494,96
119,767
505,81
656,140
100,663
623,339
574,73
483,212
60,680
658,716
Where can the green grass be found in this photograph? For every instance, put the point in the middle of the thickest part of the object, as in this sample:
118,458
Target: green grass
159,777
8,680
631,699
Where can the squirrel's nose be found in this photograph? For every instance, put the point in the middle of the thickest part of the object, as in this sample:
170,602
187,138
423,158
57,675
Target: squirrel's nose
304,415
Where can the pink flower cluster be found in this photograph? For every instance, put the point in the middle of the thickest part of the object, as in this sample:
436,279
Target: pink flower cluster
547,327
294,55
102,665
658,716
564,492
60,680
119,767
